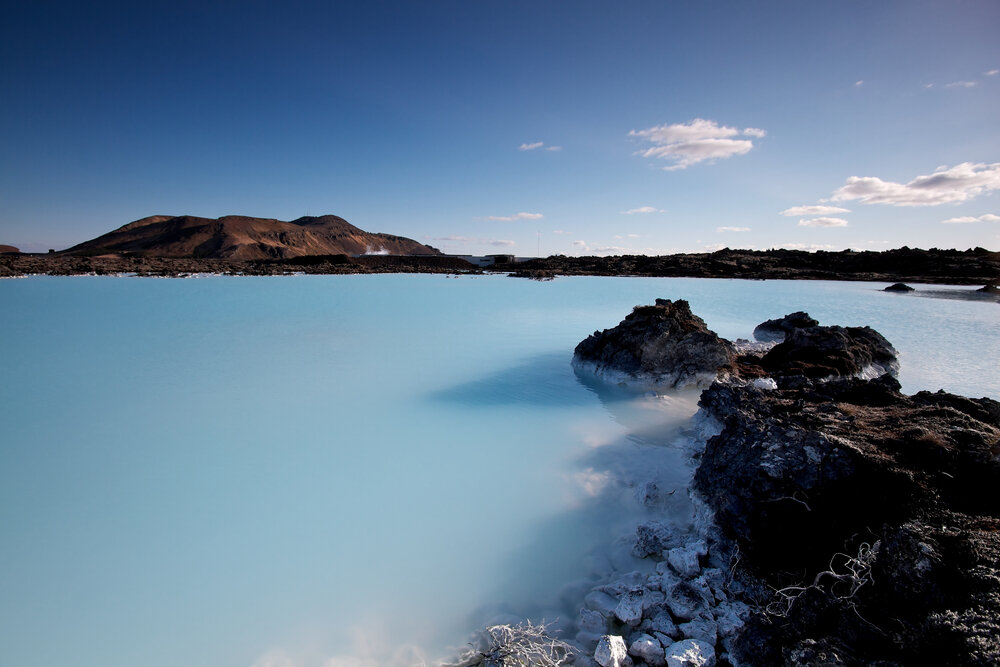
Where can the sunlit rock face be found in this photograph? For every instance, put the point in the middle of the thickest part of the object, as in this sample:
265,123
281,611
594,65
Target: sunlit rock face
661,345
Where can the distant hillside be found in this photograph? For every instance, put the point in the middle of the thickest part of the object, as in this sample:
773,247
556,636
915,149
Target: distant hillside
8,248
244,238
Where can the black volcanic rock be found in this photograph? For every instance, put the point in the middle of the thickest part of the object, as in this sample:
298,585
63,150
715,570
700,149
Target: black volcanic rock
776,329
878,508
898,287
825,351
663,344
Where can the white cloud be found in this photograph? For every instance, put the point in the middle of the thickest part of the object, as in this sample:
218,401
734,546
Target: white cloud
859,83
626,236
945,186
560,231
516,216
992,72
536,145
732,229
823,222
797,211
988,217
697,141
807,246
580,244
502,242
471,239
613,250
275,658
642,209
962,84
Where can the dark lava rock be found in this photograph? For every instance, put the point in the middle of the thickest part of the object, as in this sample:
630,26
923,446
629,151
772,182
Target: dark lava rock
878,509
777,329
663,344
825,351
898,287
992,288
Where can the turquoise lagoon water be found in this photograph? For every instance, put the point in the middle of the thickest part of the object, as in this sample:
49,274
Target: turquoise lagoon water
350,470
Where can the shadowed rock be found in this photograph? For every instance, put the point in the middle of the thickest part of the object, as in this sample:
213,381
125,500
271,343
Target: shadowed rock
777,329
663,344
898,287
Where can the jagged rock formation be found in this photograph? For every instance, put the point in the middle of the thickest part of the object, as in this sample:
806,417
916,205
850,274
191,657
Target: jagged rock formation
902,487
853,524
244,238
663,344
776,329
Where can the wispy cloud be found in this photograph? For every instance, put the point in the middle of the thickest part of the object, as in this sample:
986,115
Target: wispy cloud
513,218
642,209
626,236
962,84
992,72
536,145
470,239
699,140
797,211
732,229
946,185
859,83
560,231
823,222
988,217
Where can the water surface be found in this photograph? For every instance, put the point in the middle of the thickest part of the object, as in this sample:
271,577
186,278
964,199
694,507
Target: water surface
348,470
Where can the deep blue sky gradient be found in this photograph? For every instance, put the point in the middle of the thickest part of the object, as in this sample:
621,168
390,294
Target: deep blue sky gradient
406,117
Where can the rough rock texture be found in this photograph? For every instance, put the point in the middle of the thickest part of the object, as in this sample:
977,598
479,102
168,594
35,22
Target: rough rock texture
776,329
898,287
875,513
663,344
611,652
825,351
247,238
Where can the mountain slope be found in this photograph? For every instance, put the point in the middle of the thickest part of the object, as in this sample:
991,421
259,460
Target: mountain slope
241,237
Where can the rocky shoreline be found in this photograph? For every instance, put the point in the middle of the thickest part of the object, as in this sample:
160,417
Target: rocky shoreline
954,267
838,521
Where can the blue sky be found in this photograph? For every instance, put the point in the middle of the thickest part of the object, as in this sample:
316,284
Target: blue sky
570,127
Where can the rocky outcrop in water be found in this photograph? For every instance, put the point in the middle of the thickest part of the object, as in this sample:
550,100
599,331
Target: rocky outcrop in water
663,344
852,524
775,330
898,287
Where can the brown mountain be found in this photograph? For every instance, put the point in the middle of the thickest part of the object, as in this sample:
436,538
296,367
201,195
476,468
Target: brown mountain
8,248
240,237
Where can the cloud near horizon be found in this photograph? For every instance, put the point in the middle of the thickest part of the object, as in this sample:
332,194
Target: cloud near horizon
512,218
987,217
946,185
823,222
642,209
471,239
798,211
699,140
732,229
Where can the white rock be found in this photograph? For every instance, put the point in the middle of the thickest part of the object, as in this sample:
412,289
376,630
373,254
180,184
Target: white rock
687,602
649,650
593,621
690,653
731,617
600,602
765,384
684,561
629,609
661,623
611,652
700,628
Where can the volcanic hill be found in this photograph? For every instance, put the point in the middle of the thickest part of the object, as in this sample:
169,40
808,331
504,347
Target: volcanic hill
244,238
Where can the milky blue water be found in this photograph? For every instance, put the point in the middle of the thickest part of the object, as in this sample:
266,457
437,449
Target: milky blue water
348,470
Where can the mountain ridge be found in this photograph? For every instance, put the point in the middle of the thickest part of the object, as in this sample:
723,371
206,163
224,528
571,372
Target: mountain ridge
246,238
